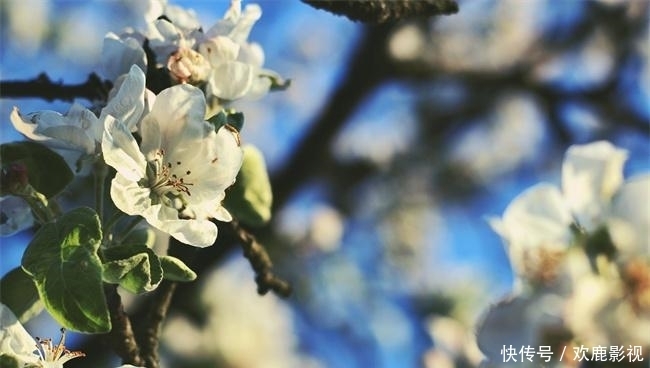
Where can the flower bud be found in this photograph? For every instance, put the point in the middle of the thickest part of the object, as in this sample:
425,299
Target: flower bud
188,66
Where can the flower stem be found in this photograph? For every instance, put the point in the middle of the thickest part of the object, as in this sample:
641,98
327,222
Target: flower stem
100,171
127,230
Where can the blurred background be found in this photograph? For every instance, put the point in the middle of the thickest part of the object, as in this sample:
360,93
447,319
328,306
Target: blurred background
386,154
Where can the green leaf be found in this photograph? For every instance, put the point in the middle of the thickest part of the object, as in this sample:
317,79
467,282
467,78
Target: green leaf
277,82
63,261
235,120
175,270
48,172
250,198
8,361
218,120
136,268
227,117
18,292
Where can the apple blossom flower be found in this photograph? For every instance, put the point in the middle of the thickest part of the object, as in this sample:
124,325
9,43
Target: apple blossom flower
591,175
598,298
236,64
80,130
594,197
52,356
18,345
177,178
536,228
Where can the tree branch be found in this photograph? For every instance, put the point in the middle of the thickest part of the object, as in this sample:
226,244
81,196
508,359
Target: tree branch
150,337
92,89
121,336
261,264
384,11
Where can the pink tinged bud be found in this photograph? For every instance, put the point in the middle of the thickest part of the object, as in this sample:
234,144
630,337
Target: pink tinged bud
188,66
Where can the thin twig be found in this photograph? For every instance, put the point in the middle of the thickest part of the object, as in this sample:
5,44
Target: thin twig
92,89
149,331
150,337
121,336
261,263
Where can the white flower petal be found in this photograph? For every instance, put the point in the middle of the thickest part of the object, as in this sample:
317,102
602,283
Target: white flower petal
128,196
591,174
518,321
196,232
73,132
182,18
536,229
219,49
537,217
199,233
629,217
128,103
86,120
231,80
26,126
176,111
121,150
252,13
118,55
70,137
164,39
14,339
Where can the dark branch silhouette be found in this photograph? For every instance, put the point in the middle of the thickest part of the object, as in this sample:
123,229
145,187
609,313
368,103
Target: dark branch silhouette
385,11
92,89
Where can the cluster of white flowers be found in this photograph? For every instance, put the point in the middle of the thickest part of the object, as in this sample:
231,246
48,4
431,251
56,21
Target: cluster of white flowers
171,163
176,174
581,258
220,59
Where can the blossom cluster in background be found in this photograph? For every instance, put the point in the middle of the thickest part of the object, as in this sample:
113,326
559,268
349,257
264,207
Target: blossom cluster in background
581,257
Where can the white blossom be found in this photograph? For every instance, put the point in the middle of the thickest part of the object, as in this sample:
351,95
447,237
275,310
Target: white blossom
598,293
54,356
80,130
177,178
536,230
236,64
591,175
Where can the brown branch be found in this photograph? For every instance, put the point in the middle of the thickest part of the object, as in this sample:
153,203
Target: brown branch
261,264
384,11
150,337
42,87
150,329
121,336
